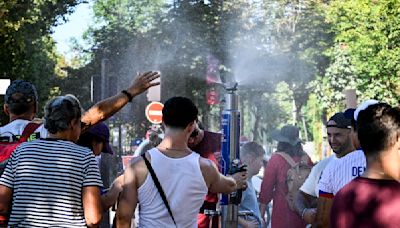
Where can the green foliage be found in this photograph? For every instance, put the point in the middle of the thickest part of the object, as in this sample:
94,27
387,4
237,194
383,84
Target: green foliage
26,49
339,76
370,32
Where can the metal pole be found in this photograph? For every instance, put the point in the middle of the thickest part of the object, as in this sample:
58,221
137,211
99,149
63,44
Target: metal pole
103,78
91,89
230,154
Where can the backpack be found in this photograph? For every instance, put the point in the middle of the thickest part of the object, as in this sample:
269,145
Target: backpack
295,176
6,148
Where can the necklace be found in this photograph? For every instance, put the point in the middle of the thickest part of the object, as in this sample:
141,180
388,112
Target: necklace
173,149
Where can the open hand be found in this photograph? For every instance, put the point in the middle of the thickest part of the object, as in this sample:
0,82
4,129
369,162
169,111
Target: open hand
142,82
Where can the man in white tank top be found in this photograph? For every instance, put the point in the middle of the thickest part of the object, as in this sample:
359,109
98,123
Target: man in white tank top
184,176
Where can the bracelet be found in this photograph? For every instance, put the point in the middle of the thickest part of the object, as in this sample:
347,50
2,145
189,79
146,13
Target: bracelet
130,97
303,212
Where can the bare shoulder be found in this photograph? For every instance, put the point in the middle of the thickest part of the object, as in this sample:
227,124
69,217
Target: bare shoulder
138,169
209,171
206,165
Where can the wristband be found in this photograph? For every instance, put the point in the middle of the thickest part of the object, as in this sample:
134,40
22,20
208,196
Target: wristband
130,97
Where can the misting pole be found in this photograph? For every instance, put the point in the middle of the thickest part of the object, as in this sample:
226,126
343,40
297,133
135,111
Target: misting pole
230,161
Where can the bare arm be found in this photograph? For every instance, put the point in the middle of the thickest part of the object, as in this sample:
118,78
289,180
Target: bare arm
111,197
222,184
128,199
5,203
305,206
108,107
323,212
263,208
92,205
216,182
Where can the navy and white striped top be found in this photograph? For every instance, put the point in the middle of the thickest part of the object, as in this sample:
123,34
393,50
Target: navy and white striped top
47,177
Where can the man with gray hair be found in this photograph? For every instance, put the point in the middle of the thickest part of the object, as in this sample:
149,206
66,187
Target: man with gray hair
252,155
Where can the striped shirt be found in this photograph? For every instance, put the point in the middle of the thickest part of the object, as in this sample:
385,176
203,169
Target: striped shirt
340,172
47,177
310,186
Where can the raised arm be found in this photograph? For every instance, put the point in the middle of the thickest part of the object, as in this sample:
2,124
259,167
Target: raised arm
109,106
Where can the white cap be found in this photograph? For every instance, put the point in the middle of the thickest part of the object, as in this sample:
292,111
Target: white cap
364,106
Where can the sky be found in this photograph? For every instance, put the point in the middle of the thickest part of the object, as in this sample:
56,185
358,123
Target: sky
78,22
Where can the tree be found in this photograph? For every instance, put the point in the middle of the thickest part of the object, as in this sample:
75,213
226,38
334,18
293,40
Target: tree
370,32
26,49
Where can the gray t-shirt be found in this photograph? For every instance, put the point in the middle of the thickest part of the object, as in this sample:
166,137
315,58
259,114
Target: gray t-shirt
250,203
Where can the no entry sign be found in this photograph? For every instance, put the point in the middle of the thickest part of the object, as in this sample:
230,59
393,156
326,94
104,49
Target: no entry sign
154,112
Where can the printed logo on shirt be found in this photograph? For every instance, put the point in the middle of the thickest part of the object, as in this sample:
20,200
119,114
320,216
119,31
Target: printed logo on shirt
357,171
15,138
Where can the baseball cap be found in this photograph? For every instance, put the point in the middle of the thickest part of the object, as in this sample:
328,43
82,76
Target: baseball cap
102,132
26,89
349,113
364,106
341,121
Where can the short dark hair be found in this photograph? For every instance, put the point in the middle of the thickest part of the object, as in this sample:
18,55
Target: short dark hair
60,111
378,127
21,97
179,112
21,108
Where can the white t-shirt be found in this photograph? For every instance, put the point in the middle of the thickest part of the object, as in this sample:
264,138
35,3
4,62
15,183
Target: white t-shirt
340,172
310,186
16,127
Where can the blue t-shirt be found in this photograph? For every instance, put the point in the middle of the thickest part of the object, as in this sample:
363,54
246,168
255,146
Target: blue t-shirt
250,203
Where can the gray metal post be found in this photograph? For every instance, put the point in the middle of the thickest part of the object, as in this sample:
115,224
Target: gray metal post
103,79
231,119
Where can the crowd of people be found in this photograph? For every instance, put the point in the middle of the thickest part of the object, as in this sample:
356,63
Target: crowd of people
53,179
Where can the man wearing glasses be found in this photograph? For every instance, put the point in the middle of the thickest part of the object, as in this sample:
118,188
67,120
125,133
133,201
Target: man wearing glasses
208,145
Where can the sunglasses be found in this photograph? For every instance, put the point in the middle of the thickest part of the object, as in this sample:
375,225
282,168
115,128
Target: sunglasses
194,133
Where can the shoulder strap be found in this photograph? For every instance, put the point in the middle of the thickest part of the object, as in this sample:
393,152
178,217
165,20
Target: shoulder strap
287,157
304,159
28,130
158,185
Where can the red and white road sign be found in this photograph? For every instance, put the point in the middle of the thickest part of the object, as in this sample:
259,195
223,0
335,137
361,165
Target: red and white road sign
154,112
